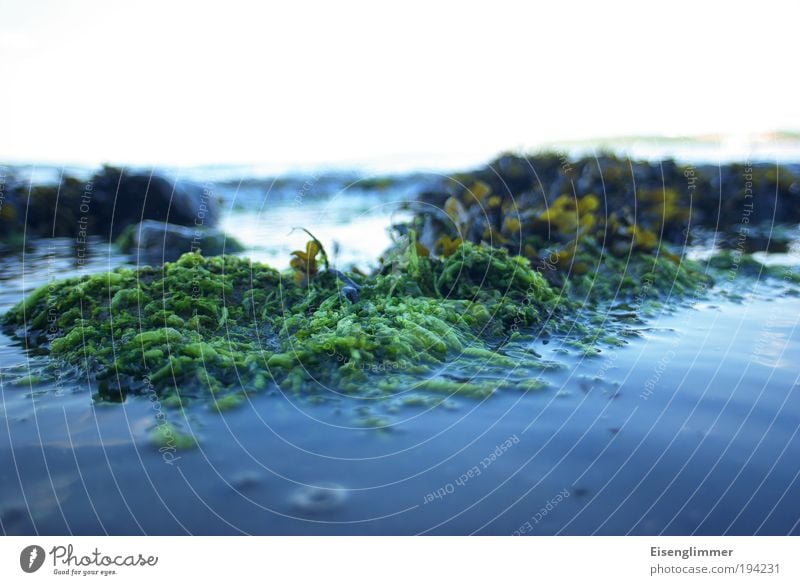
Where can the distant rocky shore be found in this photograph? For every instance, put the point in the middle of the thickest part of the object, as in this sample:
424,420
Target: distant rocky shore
517,199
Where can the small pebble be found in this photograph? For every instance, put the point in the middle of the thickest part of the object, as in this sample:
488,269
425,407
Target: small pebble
320,499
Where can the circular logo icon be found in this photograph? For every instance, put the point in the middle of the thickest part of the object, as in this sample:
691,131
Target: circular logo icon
31,558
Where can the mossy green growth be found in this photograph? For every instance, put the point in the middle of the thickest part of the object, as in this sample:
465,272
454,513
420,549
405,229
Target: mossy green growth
30,380
412,320
224,327
191,327
733,263
167,435
598,276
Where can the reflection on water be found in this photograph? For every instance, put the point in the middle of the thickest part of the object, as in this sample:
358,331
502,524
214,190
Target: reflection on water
691,428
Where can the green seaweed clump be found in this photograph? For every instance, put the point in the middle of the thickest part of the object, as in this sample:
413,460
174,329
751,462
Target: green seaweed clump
224,327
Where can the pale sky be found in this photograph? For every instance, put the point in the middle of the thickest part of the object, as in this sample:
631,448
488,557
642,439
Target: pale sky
305,83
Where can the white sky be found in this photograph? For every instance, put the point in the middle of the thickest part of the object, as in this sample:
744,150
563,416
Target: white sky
300,83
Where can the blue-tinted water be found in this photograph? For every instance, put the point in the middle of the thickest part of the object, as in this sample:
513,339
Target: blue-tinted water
691,428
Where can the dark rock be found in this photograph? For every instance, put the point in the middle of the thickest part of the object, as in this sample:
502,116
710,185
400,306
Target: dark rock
125,198
103,205
154,241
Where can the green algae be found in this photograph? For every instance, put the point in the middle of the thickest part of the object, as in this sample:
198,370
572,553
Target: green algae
222,328
732,263
636,276
168,436
31,380
228,402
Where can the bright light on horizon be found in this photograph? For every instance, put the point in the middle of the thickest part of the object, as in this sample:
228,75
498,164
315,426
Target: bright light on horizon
188,83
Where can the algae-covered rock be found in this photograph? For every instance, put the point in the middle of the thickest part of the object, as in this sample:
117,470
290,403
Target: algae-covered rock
606,220
666,192
226,327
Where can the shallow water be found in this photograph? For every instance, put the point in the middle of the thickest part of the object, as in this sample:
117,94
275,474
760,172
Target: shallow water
691,428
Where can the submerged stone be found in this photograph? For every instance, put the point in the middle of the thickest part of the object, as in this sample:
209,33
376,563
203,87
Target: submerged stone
320,499
155,242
